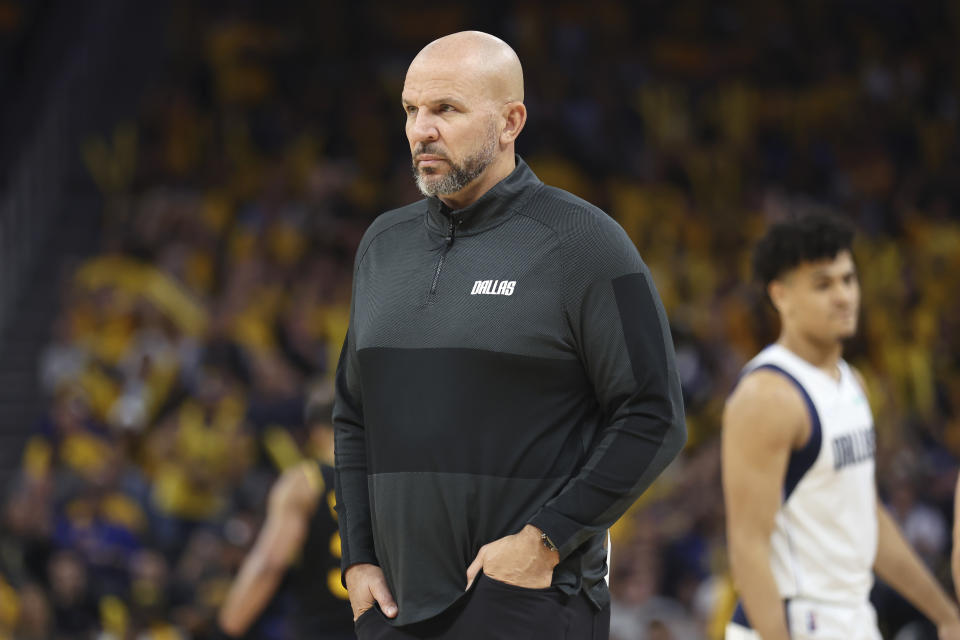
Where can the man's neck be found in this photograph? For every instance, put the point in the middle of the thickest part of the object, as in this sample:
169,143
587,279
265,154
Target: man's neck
497,171
824,355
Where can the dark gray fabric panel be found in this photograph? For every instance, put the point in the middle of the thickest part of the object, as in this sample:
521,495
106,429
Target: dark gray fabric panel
394,307
428,527
353,504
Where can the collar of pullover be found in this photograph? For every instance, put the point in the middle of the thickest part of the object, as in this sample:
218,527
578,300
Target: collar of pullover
490,209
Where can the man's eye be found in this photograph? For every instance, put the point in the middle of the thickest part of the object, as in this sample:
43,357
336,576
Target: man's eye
411,110
447,107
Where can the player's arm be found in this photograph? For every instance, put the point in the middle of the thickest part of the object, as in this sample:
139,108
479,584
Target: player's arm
763,422
900,567
291,503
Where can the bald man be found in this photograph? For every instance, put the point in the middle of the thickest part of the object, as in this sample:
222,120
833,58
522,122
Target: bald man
508,384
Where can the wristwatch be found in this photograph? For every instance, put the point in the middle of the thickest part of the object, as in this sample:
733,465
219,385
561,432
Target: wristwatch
547,542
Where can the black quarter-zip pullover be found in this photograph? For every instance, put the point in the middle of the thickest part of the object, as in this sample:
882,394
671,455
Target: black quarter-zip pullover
507,363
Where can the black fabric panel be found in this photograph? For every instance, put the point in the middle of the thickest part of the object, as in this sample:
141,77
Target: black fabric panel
644,338
651,417
473,411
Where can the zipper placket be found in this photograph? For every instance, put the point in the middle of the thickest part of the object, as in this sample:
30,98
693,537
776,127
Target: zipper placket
448,242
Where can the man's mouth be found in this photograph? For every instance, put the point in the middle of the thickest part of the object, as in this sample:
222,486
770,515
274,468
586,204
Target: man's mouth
429,160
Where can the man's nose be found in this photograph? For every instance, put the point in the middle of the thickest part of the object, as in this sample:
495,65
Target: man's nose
423,128
843,295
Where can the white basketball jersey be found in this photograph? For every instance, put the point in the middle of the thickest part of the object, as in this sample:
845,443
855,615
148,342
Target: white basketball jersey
825,538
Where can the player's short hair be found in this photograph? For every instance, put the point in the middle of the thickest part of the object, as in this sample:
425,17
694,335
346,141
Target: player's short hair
807,238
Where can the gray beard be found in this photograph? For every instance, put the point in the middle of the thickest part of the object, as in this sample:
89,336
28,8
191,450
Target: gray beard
460,175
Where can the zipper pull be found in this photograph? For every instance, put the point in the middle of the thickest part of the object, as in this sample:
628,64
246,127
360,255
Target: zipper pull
451,231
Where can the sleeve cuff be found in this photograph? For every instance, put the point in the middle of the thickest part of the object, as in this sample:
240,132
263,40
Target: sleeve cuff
561,531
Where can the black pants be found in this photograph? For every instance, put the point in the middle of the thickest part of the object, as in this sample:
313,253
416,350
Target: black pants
497,611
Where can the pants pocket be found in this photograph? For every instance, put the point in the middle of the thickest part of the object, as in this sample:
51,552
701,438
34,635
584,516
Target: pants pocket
366,624
499,584
501,611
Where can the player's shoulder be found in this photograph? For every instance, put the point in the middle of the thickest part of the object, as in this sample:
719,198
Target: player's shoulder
298,486
765,393
390,220
763,382
765,412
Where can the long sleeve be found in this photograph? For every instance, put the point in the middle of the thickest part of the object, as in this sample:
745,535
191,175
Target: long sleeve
621,332
351,419
353,500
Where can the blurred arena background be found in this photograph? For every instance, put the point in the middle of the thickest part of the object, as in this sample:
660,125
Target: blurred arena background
183,185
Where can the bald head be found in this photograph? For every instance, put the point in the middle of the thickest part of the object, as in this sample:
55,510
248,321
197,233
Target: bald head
480,57
463,97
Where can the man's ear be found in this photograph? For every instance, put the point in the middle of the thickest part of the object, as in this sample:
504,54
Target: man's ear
776,291
515,116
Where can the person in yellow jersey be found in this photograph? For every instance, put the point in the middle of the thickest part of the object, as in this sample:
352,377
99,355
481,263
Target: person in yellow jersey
300,543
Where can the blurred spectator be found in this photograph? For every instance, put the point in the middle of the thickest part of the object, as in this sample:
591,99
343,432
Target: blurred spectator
36,619
74,609
923,526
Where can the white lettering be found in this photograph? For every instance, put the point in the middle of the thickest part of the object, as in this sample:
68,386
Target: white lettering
493,287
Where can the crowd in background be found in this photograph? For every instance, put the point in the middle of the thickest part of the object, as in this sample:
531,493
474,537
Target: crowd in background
184,352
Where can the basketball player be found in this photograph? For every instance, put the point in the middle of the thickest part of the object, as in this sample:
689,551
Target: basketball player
804,527
300,542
